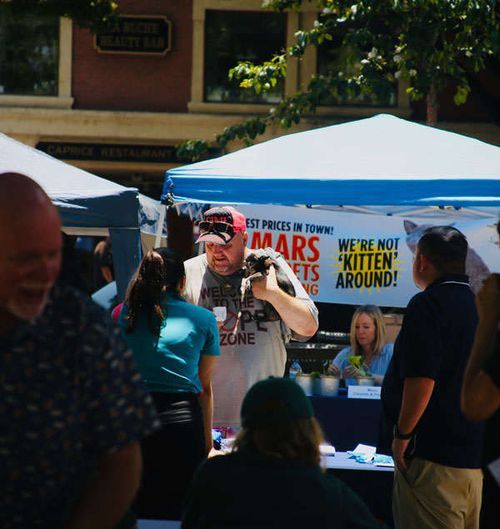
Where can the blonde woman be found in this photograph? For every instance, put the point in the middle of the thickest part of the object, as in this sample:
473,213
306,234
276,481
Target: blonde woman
273,478
367,341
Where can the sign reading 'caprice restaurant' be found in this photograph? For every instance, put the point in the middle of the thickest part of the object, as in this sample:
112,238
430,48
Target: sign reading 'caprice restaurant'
110,152
136,34
115,152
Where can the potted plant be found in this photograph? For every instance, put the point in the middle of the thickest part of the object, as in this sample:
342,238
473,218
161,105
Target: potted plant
316,382
329,385
364,377
305,381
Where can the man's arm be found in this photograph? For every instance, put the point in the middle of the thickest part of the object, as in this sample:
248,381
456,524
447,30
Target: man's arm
480,396
482,399
294,312
108,496
417,392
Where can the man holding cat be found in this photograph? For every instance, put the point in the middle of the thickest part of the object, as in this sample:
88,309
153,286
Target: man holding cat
437,451
252,346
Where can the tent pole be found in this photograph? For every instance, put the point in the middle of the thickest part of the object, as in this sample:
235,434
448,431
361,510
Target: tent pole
167,202
159,228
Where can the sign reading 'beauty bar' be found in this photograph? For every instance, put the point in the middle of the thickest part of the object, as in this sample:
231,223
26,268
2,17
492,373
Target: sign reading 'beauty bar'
136,34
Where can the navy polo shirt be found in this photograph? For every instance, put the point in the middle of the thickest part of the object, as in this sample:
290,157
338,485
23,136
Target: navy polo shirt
434,342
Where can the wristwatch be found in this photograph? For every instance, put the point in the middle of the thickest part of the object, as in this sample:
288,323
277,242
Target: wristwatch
403,436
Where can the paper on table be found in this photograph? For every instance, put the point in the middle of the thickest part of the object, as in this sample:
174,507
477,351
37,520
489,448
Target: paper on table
326,449
381,460
365,451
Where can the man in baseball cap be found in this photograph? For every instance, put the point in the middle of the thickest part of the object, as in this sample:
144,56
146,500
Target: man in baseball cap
252,347
220,225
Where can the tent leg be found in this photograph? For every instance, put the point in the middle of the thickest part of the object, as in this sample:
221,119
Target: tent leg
161,222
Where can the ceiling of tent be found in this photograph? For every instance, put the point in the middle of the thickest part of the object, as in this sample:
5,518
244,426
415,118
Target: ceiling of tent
378,161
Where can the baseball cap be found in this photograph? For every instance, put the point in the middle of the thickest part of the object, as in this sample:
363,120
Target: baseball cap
274,400
221,224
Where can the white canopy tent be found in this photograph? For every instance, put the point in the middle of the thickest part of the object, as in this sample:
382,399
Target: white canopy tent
383,161
379,166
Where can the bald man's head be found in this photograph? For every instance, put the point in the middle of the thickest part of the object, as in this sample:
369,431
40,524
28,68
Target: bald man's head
20,192
30,242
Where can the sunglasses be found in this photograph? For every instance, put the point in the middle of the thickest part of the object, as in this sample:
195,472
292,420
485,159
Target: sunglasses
207,226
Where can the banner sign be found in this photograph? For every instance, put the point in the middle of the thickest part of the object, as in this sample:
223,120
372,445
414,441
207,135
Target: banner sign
358,258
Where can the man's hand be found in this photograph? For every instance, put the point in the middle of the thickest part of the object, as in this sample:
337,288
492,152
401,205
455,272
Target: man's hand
264,287
399,447
294,312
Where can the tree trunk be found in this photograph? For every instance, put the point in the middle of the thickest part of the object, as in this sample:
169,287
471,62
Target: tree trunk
432,106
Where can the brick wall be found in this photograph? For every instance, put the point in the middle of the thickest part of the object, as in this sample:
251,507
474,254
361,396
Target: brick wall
104,81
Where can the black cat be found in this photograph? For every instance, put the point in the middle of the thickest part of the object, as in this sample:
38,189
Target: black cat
257,265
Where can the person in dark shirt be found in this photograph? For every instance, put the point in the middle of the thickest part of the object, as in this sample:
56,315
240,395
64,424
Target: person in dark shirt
273,478
437,451
481,392
72,405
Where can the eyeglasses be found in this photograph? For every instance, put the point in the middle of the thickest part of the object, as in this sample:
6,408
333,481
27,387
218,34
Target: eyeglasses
207,226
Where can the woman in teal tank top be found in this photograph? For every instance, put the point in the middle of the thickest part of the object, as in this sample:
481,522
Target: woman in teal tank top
175,345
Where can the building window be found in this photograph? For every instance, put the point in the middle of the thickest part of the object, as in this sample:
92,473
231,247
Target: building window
233,36
29,54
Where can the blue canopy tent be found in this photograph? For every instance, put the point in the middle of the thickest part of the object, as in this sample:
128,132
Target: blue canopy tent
378,161
88,204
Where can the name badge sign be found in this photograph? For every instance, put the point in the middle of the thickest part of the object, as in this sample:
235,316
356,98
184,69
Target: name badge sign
363,392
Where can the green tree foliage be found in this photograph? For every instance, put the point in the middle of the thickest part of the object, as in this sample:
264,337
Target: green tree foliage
428,43
93,14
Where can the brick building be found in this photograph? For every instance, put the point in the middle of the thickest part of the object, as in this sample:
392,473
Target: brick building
118,104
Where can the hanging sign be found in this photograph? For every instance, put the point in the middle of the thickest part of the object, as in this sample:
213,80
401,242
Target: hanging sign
358,258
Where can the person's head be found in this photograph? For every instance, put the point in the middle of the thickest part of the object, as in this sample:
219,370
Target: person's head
30,243
224,232
367,330
160,271
104,272
440,250
278,422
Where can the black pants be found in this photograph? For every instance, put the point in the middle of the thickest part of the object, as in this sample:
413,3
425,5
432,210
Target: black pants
171,456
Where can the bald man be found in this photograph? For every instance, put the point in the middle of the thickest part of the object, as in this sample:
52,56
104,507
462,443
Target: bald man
72,407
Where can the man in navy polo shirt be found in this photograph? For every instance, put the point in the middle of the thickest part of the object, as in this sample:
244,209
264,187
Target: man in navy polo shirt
437,451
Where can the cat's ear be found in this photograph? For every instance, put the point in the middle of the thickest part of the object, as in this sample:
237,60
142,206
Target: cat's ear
409,226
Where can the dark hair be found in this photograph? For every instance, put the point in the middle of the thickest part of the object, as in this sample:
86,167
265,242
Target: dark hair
445,247
294,440
160,271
